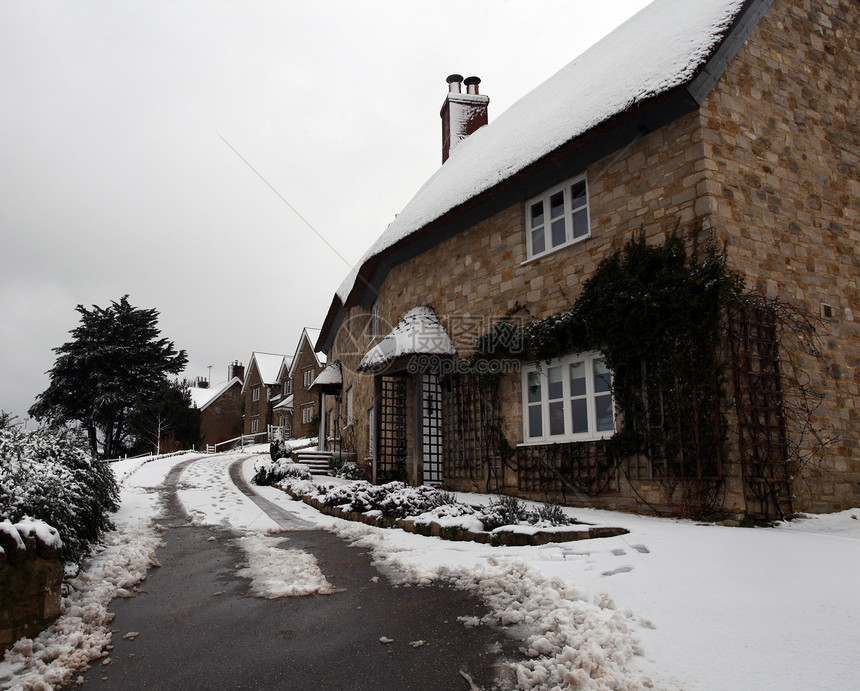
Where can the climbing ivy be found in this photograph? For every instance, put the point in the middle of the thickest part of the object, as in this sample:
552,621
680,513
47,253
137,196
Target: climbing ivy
655,313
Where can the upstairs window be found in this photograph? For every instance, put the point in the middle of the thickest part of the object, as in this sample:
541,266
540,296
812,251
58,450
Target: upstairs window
374,319
558,217
569,399
349,419
255,393
308,378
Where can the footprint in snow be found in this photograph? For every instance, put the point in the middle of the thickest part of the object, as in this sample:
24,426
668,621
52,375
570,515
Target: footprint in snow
620,569
618,552
642,549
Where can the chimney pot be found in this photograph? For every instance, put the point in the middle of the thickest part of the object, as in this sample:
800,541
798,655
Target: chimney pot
454,81
462,114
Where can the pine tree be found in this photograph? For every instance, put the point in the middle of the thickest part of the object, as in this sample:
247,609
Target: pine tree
116,356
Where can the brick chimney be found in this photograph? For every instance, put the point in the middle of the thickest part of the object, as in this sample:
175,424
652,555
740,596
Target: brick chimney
462,113
236,369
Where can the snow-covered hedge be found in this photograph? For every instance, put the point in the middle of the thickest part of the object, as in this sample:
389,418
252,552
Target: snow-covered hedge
270,472
49,475
282,448
396,500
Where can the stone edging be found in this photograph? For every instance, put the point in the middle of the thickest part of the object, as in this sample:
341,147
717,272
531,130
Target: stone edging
433,529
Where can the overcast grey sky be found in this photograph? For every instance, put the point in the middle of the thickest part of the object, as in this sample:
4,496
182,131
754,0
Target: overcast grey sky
116,177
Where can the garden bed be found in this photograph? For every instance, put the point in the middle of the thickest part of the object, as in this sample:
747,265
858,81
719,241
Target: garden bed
429,511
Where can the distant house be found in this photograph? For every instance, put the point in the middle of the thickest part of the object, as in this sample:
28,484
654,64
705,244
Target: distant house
306,365
262,390
220,407
734,120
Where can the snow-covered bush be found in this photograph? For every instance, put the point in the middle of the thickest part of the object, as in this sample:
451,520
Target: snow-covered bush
410,501
278,448
348,470
49,475
512,511
269,472
503,511
366,497
552,514
397,500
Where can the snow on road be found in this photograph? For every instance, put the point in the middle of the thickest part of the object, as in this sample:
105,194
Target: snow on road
685,605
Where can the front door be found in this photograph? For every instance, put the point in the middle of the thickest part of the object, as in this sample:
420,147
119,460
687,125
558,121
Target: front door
431,426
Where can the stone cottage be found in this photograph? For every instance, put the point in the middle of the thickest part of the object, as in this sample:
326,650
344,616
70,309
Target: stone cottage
728,123
220,407
262,390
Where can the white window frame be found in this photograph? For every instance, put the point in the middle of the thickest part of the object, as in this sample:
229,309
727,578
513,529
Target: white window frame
308,378
567,217
307,414
371,431
349,410
591,397
255,393
255,426
374,319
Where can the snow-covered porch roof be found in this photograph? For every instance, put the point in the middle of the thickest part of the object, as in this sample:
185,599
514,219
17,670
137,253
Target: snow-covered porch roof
419,334
330,379
286,404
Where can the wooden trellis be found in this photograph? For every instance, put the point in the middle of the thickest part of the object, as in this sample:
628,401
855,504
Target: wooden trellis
762,442
569,469
391,428
471,431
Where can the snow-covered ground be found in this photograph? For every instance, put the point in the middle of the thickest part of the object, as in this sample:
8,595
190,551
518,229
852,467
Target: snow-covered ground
673,604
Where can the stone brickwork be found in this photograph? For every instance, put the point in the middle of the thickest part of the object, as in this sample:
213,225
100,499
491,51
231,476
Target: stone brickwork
222,418
782,142
255,410
30,581
768,164
307,362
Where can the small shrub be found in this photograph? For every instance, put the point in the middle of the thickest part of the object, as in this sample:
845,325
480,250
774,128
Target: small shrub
552,514
504,511
278,449
349,471
267,473
442,498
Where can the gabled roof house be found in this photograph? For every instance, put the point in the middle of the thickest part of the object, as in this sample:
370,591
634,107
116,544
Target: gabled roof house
727,124
298,408
262,390
220,407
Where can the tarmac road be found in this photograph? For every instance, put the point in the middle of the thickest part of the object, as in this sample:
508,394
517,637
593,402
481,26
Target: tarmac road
199,627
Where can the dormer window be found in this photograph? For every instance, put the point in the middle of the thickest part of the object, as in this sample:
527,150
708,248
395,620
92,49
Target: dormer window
558,217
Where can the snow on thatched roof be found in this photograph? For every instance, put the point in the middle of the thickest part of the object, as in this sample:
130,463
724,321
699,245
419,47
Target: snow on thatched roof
661,47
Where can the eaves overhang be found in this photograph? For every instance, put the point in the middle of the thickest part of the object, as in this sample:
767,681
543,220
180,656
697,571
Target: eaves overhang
572,157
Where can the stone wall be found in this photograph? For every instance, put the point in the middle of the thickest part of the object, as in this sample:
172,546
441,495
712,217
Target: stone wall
222,418
255,410
781,139
301,396
31,575
768,165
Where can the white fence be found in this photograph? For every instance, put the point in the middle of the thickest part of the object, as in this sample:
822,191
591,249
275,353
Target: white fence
150,456
240,441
